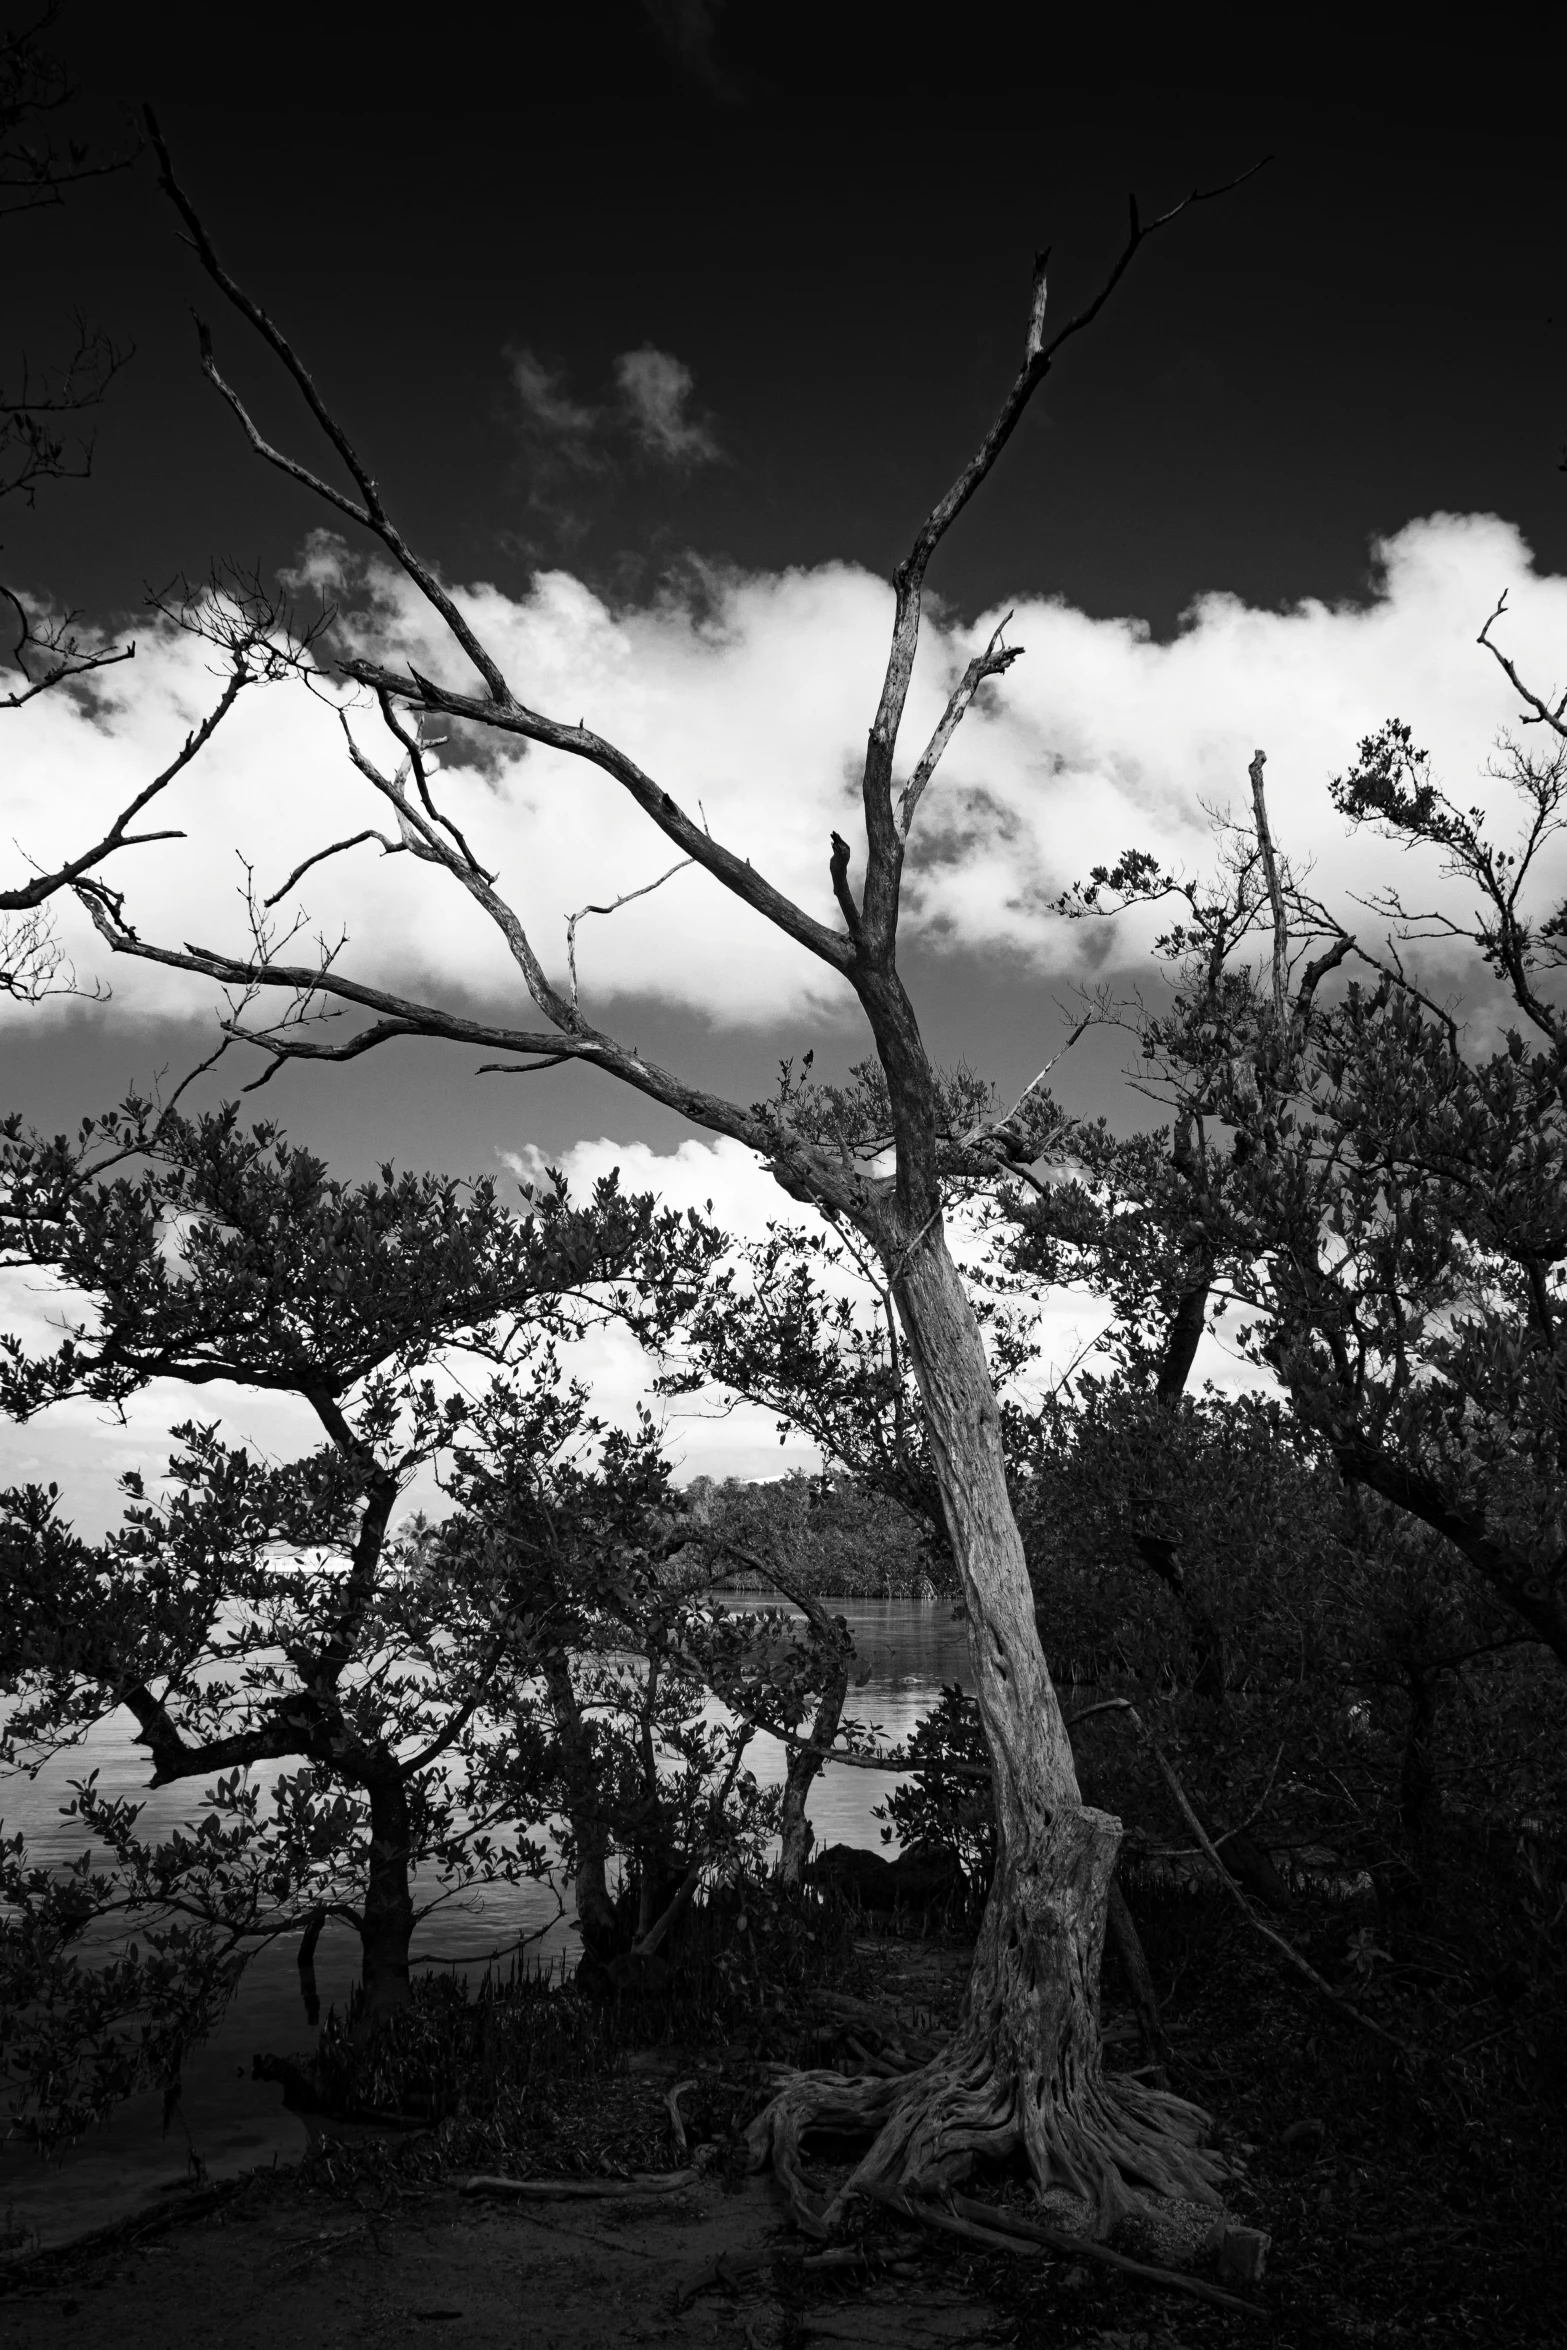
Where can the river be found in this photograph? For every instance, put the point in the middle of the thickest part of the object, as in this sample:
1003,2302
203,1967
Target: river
908,1650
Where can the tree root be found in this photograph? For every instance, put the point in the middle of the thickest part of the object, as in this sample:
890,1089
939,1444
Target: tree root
1109,2145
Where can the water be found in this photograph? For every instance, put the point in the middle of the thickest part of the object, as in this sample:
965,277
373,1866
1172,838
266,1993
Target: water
908,1651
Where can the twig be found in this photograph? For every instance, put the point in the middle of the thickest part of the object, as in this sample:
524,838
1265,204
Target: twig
1539,710
391,848
614,907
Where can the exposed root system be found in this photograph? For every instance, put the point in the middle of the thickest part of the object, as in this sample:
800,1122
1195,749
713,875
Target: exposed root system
1115,2147
1022,2076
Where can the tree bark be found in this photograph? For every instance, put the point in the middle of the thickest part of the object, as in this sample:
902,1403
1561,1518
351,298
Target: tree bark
801,1774
1180,1346
589,1834
1023,2071
388,1915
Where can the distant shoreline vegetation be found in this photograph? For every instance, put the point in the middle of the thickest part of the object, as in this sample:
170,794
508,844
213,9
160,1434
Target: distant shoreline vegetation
829,1536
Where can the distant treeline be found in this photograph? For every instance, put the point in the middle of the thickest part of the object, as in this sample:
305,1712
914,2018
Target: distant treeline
829,1535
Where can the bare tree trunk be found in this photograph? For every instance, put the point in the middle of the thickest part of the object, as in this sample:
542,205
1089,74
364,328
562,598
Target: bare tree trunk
589,1835
1023,2071
388,1916
801,1774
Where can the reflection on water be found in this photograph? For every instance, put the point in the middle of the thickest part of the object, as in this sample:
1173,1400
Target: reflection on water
908,1651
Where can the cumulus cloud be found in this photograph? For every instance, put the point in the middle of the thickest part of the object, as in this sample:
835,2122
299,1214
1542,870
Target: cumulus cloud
750,700
656,389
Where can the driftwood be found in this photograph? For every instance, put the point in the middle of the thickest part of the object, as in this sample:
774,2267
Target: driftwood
669,2182
49,2263
1011,2232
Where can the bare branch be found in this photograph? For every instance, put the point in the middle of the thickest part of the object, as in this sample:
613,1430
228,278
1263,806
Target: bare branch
499,708
58,647
1314,974
34,165
808,1173
737,874
838,874
994,661
1281,928
48,885
552,1060
33,964
885,843
390,848
415,746
614,907
1539,712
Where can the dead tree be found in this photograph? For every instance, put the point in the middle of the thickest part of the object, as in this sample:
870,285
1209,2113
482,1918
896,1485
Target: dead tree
44,409
1023,2070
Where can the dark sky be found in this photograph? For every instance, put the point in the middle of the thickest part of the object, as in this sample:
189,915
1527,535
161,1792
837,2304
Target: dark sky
830,218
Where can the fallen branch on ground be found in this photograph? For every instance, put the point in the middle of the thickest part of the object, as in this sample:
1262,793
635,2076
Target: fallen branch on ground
1012,2232
668,2182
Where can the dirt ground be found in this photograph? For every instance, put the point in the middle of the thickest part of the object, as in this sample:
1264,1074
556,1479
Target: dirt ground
1391,2226
278,2264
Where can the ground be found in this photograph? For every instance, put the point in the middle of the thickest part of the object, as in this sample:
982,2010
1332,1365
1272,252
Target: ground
277,2264
1406,2206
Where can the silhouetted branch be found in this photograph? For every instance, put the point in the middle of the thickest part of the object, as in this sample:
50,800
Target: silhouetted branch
1540,712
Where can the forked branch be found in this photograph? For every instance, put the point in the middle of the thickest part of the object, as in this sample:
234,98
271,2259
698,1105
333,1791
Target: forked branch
51,655
614,906
884,838
119,836
994,661
498,707
1540,712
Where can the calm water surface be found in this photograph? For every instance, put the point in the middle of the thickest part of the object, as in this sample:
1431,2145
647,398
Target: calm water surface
907,1650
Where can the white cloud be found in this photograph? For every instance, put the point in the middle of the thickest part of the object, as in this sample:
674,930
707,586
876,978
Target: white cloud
656,388
751,701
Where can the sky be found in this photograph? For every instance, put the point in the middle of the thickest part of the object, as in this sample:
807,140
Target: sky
661,327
